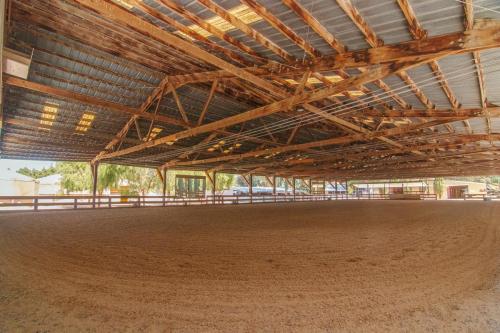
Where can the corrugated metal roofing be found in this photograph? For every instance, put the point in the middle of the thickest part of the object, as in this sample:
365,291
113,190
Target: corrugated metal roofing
121,65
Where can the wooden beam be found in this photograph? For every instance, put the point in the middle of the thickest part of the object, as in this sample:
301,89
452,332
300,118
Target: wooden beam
433,113
414,26
315,25
292,134
374,41
204,24
137,128
483,36
189,32
67,94
160,175
179,105
269,109
314,144
207,103
418,33
278,25
468,14
249,31
155,114
359,21
123,17
89,100
468,24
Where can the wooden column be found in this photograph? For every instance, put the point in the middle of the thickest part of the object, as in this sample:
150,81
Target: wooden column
214,186
94,168
336,188
346,191
293,187
310,186
274,185
164,189
250,187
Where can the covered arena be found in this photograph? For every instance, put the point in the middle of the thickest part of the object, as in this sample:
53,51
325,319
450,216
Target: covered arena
305,95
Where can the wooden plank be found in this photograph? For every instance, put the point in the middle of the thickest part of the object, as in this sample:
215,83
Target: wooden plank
189,32
373,40
315,25
315,144
183,12
249,31
179,105
67,94
269,109
278,25
121,16
207,103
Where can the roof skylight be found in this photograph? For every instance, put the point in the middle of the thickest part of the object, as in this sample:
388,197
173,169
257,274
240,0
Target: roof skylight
85,121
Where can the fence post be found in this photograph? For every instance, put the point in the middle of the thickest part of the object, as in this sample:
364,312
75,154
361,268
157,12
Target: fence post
75,203
35,204
109,202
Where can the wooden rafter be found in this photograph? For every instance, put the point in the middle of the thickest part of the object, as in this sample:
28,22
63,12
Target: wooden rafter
373,40
178,102
327,142
315,25
469,24
278,25
269,109
207,103
418,33
137,38
180,10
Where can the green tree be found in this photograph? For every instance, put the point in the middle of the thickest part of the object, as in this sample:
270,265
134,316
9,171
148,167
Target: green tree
438,187
109,176
224,181
142,180
75,176
37,174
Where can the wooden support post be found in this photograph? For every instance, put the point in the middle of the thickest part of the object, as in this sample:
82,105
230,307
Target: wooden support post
95,168
274,185
293,187
336,190
250,187
214,185
309,184
213,182
346,191
164,188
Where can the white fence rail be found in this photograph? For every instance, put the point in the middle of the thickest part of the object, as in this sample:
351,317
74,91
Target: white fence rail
36,203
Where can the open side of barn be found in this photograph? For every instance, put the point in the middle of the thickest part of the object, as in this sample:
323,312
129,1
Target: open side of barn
314,93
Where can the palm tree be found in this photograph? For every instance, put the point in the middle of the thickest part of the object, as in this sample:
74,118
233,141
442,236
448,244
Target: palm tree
35,175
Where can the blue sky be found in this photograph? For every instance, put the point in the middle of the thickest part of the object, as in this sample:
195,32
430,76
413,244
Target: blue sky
8,167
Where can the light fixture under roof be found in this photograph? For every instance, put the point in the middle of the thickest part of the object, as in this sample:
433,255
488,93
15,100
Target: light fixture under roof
242,12
85,122
124,3
154,133
16,63
49,114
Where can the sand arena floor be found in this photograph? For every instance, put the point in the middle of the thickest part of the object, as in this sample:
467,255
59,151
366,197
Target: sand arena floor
331,266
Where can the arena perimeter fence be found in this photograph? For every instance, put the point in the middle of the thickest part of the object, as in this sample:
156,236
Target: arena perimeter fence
43,202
